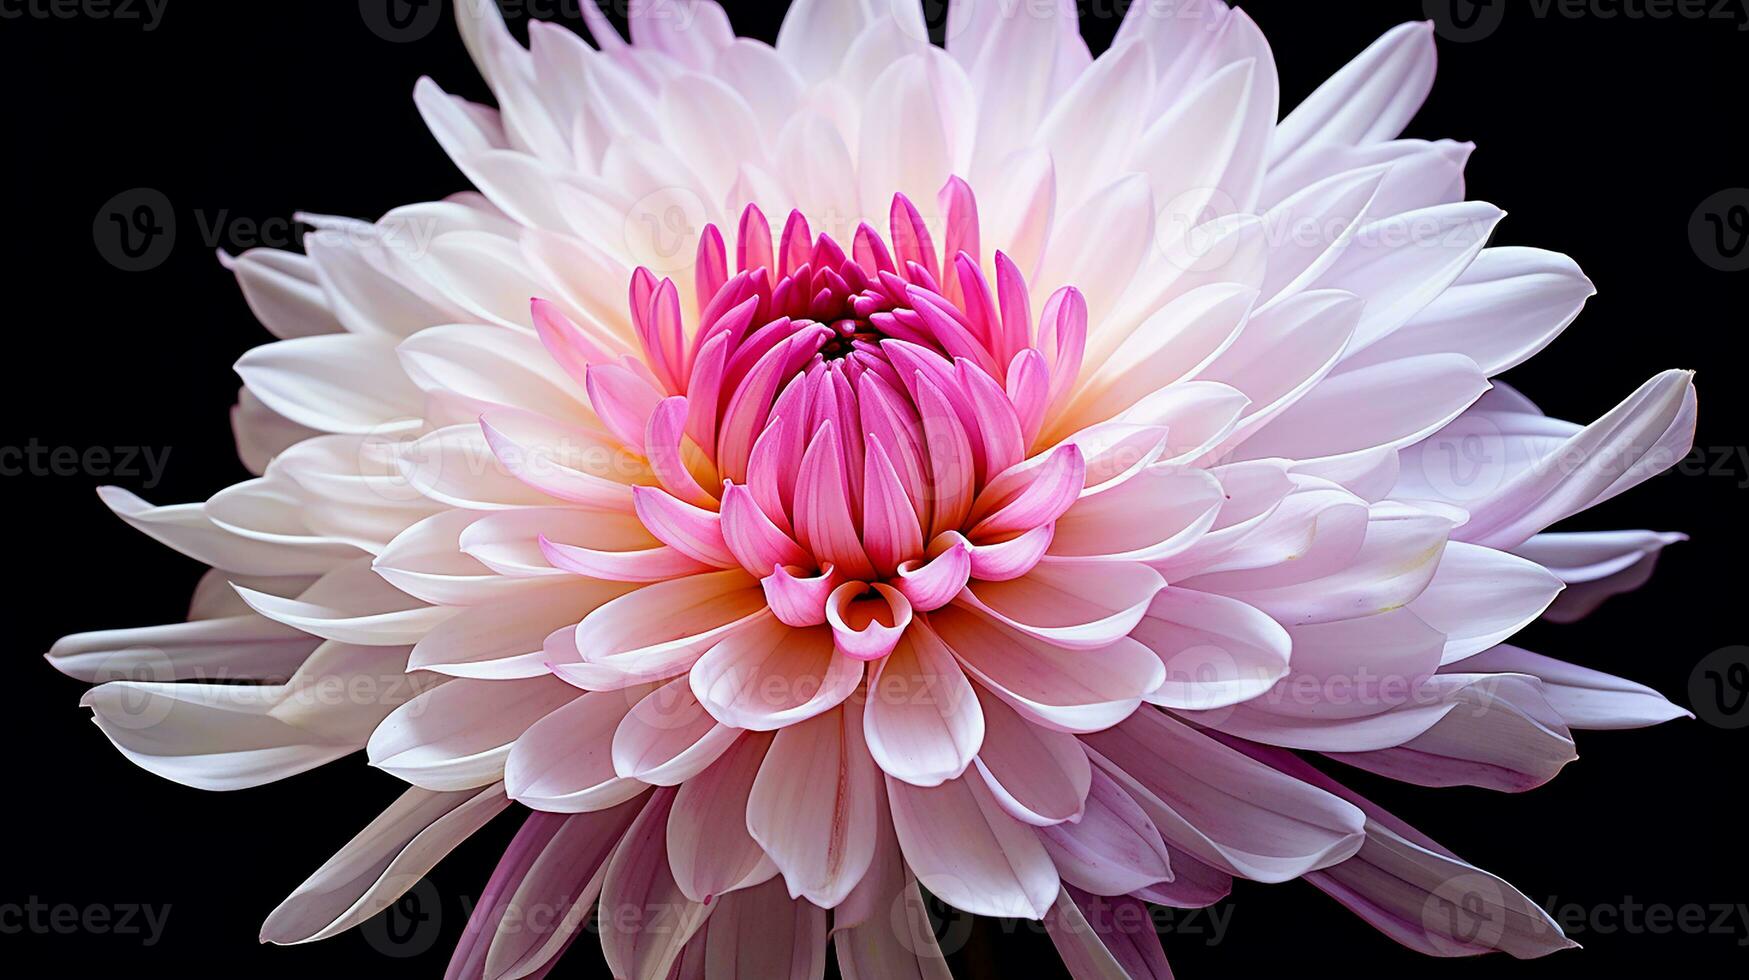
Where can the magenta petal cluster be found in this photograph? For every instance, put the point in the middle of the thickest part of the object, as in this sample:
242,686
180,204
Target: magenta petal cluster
1087,469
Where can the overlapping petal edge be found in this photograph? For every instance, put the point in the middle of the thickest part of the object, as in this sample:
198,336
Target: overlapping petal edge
982,527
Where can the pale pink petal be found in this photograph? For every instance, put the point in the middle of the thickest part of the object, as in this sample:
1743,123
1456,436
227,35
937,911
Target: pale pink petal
668,737
1074,604
376,867
799,599
770,675
1053,490
709,849
499,933
1114,849
1217,651
1039,776
459,734
756,542
928,584
668,452
1646,433
564,761
509,541
923,722
1397,559
1500,733
561,460
1585,698
689,529
1068,690
1508,305
1371,98
1479,596
565,878
506,639
968,852
813,807
1422,895
659,563
1220,806
901,946
659,630
648,919
1002,560
426,561
1106,937
1150,516
763,932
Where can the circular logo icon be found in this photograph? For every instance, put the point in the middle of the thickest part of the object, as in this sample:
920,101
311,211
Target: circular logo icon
1464,914
1718,689
1463,21
1200,229
1203,677
401,21
662,228
1719,230
135,230
1465,461
127,706
408,927
917,927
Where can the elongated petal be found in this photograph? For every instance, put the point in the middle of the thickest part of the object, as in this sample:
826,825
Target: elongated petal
386,858
1068,690
822,842
1039,776
1646,433
564,761
1114,849
965,849
1222,807
930,584
823,519
922,723
1101,937
1217,651
771,675
1585,698
649,918
1078,605
659,630
709,849
668,737
558,889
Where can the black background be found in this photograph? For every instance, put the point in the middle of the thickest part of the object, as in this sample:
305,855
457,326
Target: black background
1600,135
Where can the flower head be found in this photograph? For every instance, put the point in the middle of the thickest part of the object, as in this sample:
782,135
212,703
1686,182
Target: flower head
1085,455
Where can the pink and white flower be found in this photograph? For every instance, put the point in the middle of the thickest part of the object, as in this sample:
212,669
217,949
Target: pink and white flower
1081,454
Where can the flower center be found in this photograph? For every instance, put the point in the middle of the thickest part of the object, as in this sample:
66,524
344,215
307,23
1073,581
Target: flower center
853,428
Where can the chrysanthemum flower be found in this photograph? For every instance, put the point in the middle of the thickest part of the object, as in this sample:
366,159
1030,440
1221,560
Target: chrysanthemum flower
1081,464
